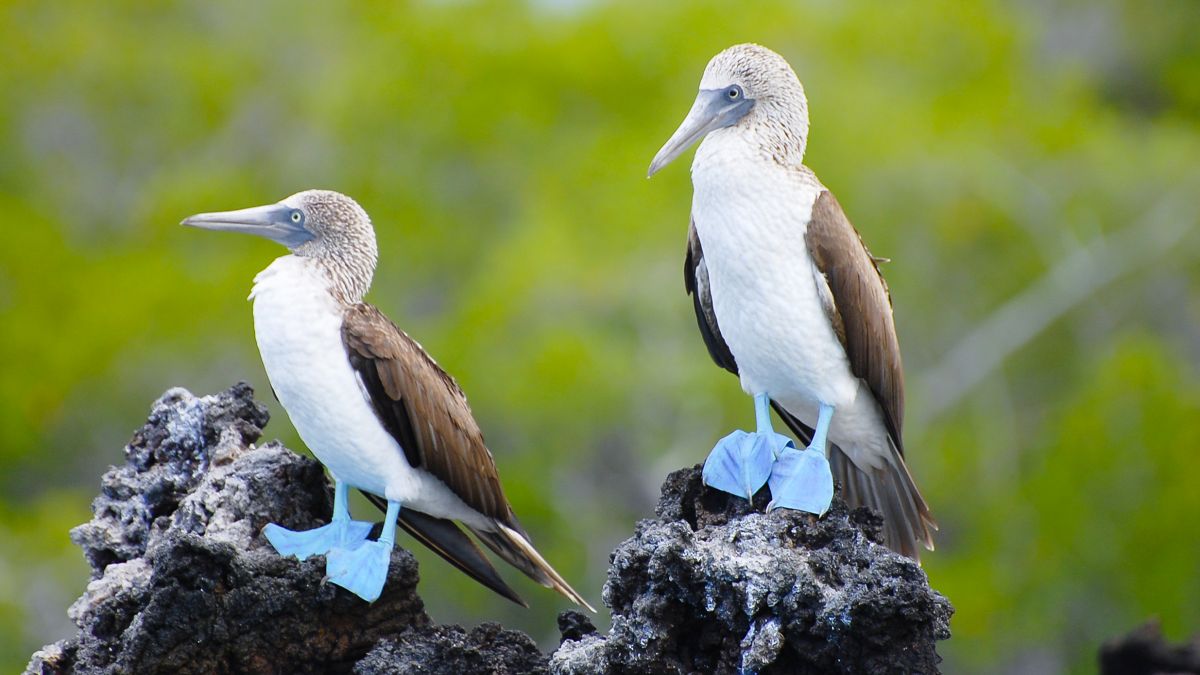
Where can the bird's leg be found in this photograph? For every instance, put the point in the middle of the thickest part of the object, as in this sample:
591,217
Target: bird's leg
801,479
824,417
741,462
340,532
363,570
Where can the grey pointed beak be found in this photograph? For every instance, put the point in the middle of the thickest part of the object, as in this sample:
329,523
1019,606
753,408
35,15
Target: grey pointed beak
711,111
278,222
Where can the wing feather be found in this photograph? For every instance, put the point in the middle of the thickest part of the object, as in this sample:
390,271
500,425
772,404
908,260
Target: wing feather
861,307
424,410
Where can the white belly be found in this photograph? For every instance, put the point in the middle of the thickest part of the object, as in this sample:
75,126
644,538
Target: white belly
751,216
298,325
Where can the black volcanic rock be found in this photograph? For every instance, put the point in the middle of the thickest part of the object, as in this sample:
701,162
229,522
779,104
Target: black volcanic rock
183,581
452,650
1145,651
715,585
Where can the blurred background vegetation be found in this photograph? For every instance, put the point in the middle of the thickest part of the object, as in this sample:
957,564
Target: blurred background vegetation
1032,169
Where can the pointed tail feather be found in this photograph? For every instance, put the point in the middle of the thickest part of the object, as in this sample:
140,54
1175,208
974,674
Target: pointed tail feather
444,538
907,522
512,545
890,491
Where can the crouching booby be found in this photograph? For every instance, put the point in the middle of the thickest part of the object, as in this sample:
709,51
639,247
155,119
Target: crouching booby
372,406
788,298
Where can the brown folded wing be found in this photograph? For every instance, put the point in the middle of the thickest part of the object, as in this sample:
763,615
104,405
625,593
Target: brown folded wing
861,311
424,409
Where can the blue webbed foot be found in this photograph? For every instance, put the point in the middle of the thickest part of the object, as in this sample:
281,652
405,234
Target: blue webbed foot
346,534
341,532
741,462
801,480
361,570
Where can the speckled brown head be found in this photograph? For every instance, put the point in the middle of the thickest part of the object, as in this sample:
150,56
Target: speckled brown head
324,225
751,90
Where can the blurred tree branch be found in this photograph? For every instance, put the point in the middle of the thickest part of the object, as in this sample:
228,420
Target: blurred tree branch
1074,279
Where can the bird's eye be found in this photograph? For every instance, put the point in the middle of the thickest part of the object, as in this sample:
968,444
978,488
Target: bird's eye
733,93
296,216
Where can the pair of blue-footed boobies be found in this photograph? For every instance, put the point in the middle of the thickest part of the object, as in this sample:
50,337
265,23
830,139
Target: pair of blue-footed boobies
786,296
789,299
372,405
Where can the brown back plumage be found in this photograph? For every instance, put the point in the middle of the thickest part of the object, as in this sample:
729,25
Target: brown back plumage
862,317
862,311
424,409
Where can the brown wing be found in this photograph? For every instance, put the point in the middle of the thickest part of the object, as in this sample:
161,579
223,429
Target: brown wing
861,308
424,410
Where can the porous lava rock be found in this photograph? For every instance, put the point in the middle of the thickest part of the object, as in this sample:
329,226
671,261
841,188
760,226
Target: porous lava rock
182,580
716,584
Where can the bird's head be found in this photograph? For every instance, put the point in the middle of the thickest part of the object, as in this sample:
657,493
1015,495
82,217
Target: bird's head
751,89
320,224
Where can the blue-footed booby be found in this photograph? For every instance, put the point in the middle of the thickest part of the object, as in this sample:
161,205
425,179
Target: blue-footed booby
372,405
789,299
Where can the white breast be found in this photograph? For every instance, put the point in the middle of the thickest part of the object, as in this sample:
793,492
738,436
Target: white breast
298,326
751,215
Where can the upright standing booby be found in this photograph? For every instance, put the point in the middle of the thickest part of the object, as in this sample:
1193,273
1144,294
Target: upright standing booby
788,298
371,405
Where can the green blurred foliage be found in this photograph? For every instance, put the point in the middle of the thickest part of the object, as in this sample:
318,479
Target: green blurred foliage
501,150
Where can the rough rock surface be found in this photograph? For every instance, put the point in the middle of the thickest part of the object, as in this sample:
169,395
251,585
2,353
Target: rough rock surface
452,650
1145,651
715,585
183,582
